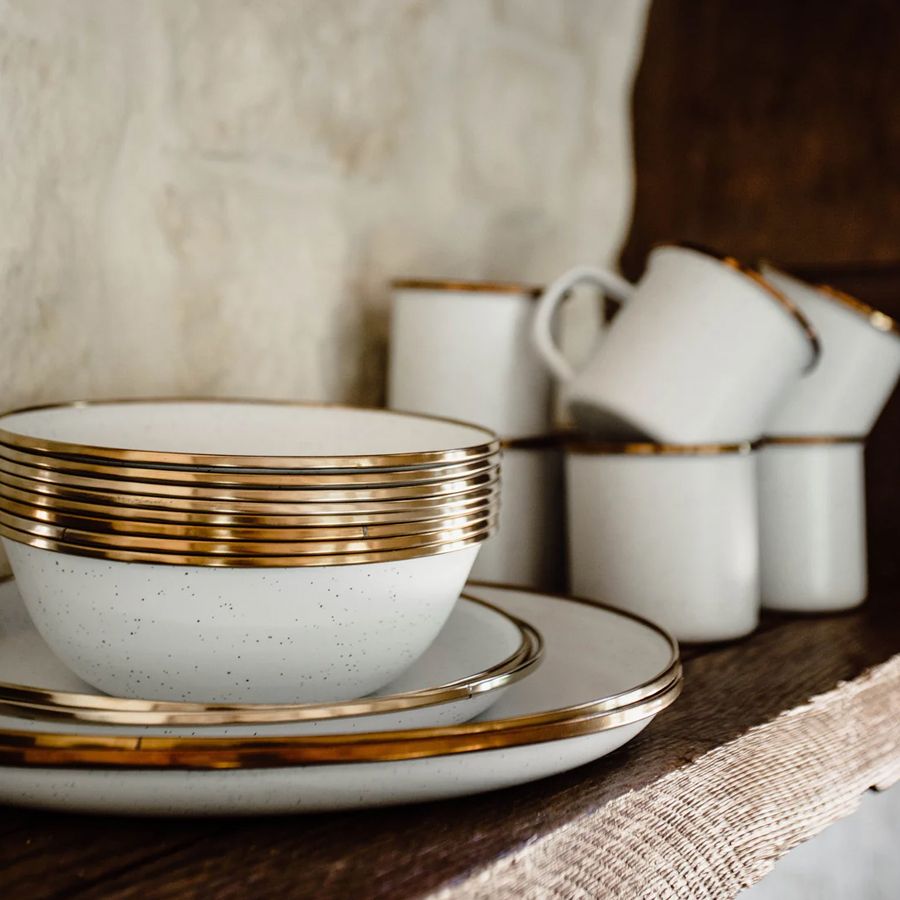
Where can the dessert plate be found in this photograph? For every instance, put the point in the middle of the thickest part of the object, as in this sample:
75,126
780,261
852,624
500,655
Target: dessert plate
606,674
479,652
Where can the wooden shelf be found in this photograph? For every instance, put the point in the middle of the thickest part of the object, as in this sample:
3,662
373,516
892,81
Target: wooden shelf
774,738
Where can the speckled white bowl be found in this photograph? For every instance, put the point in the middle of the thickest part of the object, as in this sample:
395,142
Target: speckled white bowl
305,634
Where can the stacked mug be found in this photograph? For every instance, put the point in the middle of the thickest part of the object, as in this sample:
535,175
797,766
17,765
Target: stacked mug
811,467
462,349
662,494
161,546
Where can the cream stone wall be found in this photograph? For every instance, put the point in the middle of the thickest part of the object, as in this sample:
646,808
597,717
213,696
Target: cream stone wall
209,197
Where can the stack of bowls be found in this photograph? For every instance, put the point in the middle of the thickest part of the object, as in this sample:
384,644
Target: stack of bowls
241,551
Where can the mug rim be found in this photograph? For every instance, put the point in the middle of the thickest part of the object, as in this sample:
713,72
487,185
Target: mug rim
466,285
877,318
650,449
753,273
799,440
545,441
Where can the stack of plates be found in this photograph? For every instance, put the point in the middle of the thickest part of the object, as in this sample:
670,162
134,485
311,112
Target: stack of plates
254,483
605,676
243,607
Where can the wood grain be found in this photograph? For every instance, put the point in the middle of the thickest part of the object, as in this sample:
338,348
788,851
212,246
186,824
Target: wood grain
769,128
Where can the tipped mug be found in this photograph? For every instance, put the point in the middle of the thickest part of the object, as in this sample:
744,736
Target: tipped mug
858,370
702,350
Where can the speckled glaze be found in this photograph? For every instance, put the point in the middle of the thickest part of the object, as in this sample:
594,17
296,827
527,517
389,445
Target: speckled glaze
474,638
590,653
238,635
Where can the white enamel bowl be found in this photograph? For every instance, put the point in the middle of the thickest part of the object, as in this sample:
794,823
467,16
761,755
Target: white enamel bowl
475,638
272,635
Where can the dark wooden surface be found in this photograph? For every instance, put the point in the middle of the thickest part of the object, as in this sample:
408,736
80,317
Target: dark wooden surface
407,852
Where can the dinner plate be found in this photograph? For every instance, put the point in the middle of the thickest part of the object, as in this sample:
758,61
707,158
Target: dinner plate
605,675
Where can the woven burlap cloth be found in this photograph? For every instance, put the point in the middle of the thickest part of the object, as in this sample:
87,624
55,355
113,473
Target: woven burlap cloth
718,824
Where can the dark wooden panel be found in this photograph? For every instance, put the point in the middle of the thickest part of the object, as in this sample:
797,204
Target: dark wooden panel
770,128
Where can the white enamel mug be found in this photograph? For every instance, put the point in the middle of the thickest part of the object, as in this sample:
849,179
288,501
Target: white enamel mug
858,370
462,349
812,519
700,352
528,548
668,532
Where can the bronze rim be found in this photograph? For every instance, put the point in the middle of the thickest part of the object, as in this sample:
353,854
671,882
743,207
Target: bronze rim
279,548
228,478
607,448
538,442
876,318
154,502
409,511
812,440
475,451
187,530
255,561
880,320
102,487
47,750
464,286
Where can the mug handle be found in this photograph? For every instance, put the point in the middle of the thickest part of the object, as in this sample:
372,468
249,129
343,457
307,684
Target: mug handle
542,327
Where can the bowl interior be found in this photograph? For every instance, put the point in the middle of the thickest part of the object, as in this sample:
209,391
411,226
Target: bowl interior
243,429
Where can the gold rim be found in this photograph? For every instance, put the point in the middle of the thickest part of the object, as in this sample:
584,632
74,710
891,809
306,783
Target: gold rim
312,548
240,507
808,440
876,318
276,495
186,530
466,286
41,703
149,457
537,442
48,750
227,478
610,448
255,561
461,504
757,277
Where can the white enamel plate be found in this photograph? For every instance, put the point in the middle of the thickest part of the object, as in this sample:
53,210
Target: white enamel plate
605,676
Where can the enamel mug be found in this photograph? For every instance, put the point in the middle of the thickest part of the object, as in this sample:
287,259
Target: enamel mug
812,519
700,352
668,532
858,370
528,548
462,349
